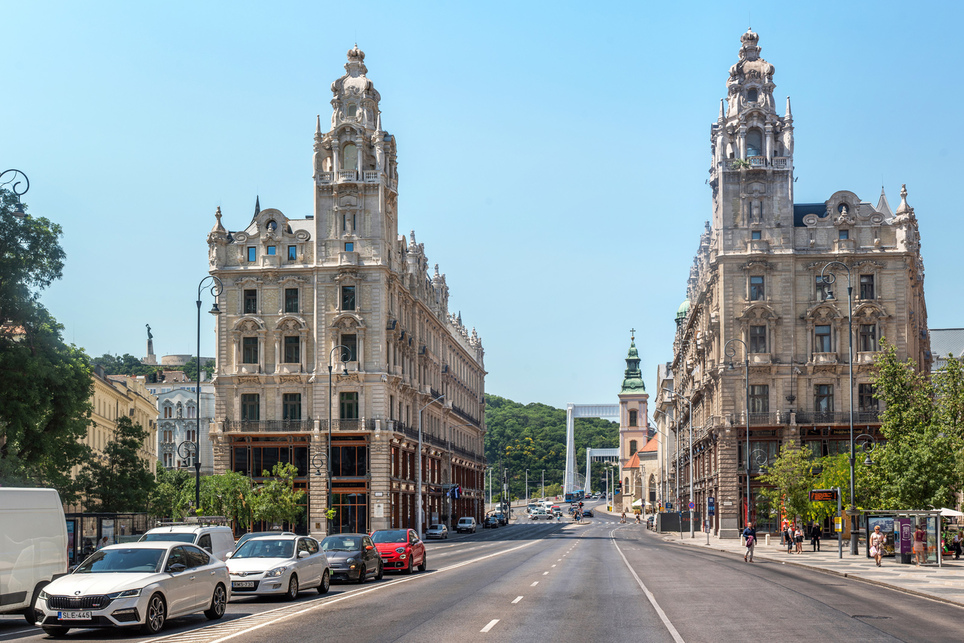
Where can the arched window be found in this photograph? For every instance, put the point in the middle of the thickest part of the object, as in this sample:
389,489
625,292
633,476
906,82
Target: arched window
351,157
754,143
632,417
352,111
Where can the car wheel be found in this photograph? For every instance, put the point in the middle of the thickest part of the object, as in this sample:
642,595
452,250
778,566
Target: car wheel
156,615
381,572
55,632
362,573
421,567
29,614
292,592
411,566
219,602
325,583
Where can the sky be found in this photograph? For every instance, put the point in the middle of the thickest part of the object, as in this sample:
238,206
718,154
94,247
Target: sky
553,156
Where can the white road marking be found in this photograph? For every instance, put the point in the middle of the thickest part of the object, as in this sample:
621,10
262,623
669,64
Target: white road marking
517,599
545,573
553,565
534,584
649,594
490,625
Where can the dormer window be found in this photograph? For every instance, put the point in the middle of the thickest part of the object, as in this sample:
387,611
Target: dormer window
272,225
751,95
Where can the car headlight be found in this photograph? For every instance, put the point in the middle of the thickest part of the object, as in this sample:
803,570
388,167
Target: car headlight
277,571
127,593
42,595
400,550
350,561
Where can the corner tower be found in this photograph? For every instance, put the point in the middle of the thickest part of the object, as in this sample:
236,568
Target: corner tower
752,157
633,422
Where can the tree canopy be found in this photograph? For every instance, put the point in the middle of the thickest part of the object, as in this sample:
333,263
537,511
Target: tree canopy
121,482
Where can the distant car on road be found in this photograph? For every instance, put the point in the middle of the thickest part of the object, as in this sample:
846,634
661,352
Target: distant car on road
490,522
587,513
466,524
437,531
257,534
501,517
542,514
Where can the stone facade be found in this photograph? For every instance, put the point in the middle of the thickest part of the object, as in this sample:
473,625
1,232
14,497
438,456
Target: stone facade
755,295
337,316
178,422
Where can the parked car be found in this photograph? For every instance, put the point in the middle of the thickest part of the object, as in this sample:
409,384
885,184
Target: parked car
135,584
278,565
400,549
257,534
466,524
437,531
490,522
217,540
33,533
352,557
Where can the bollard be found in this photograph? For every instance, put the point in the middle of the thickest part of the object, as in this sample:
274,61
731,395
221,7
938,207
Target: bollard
768,539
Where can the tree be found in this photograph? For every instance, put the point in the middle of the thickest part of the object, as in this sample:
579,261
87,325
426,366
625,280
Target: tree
207,369
125,364
919,466
122,482
45,405
276,500
168,497
230,495
789,481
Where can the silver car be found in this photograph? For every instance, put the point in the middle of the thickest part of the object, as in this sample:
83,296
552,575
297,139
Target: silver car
437,531
352,557
278,565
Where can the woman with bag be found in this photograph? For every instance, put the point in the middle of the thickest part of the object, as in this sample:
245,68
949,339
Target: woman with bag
877,544
750,535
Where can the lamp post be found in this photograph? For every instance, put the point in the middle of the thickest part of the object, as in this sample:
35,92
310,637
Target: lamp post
677,396
527,487
828,279
17,192
418,482
543,483
345,354
730,352
216,288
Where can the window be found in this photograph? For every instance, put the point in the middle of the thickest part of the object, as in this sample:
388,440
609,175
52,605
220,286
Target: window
632,448
823,398
249,350
758,339
252,254
348,407
751,95
352,111
351,157
191,435
250,302
168,412
632,418
291,300
754,143
349,246
865,397
350,342
757,292
292,253
821,338
292,349
168,460
272,251
759,398
756,235
291,406
348,298
866,286
843,235
168,436
250,407
821,288
868,338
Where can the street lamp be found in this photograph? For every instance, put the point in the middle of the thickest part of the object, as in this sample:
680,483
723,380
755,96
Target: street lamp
730,352
216,288
828,279
345,354
418,482
677,396
18,211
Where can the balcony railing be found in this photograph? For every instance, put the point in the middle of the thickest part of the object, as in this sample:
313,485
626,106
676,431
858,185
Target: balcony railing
758,163
351,176
267,426
837,417
349,425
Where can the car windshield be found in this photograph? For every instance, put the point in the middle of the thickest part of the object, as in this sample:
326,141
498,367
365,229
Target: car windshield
265,549
107,561
341,543
390,536
437,527
168,536
253,534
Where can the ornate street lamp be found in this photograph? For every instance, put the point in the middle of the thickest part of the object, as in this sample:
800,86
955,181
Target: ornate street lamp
730,352
828,279
15,188
345,355
216,288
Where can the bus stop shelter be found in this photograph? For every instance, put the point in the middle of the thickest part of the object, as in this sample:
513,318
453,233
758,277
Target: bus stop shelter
898,527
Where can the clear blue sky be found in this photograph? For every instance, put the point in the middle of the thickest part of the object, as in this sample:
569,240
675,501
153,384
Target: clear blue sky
552,156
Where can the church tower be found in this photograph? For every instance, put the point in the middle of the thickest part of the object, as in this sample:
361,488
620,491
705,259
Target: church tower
633,421
756,203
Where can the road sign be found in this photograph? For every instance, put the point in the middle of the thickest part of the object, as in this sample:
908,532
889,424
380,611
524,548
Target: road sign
692,506
669,506
711,506
823,495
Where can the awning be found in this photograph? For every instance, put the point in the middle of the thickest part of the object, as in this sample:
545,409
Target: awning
638,503
951,513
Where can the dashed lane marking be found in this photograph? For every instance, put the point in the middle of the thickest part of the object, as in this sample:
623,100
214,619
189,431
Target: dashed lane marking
517,599
490,625
534,584
649,595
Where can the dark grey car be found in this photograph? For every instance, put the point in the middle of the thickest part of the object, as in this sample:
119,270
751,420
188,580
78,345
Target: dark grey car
352,557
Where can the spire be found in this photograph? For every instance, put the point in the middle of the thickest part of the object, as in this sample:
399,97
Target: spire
633,379
257,206
318,126
722,115
903,208
789,115
883,206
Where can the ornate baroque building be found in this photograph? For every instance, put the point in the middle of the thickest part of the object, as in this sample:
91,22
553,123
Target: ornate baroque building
755,294
337,316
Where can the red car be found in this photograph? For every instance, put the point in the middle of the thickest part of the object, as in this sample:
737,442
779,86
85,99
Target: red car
400,549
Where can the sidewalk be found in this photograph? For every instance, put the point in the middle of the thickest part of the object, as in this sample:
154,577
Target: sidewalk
945,584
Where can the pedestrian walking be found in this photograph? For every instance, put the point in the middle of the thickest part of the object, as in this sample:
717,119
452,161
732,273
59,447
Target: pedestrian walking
877,544
798,539
920,538
788,537
749,533
815,533
957,544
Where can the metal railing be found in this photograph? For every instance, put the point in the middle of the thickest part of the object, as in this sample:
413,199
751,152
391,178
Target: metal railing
268,426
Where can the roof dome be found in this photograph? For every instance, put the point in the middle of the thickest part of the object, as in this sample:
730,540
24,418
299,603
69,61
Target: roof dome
683,309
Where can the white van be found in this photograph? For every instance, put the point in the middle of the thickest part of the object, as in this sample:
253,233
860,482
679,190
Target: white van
217,540
466,524
33,547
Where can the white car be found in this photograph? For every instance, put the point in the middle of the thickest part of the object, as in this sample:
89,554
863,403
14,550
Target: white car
135,584
272,565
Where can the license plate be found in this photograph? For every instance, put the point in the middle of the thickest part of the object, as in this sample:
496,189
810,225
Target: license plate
74,616
242,584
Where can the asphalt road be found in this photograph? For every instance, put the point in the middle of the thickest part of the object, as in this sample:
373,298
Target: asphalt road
599,581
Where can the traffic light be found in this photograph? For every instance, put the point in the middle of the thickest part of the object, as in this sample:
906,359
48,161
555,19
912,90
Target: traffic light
619,487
